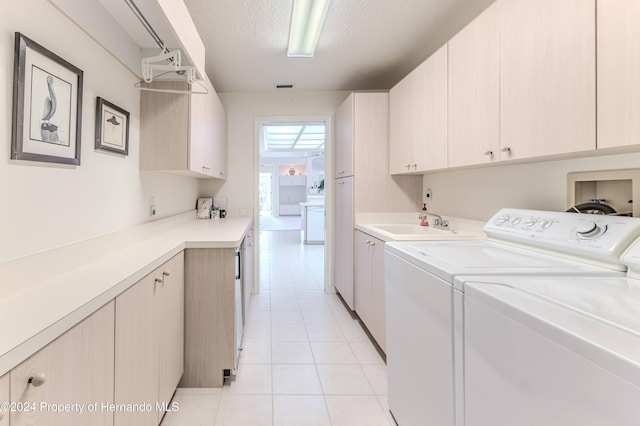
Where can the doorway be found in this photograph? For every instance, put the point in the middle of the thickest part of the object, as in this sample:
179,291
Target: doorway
291,181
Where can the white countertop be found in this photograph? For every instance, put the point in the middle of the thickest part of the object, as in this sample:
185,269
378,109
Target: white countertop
44,295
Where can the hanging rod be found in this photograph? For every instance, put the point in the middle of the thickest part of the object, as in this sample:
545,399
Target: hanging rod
187,72
147,25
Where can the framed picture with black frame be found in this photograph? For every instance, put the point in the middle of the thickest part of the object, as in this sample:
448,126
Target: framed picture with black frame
47,105
112,127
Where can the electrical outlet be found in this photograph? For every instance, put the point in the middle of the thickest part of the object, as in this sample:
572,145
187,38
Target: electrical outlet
428,195
152,206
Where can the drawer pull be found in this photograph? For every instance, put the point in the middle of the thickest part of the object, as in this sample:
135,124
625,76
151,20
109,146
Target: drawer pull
506,149
166,273
158,280
37,380
490,153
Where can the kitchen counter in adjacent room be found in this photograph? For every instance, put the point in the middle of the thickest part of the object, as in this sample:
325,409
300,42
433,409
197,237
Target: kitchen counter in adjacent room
44,295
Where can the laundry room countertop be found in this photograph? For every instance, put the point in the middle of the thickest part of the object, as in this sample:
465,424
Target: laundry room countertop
44,295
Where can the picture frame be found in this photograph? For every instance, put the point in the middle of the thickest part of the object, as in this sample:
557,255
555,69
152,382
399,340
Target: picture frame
112,127
47,105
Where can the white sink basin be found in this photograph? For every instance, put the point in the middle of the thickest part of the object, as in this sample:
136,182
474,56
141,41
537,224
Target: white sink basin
407,228
408,232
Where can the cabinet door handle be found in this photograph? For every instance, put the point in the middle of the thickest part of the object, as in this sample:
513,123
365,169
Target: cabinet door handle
37,380
489,153
415,166
408,166
341,172
158,280
166,273
221,173
340,183
506,149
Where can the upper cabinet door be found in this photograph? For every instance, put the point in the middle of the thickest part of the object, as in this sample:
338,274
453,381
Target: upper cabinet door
474,91
400,142
428,100
343,152
548,88
618,50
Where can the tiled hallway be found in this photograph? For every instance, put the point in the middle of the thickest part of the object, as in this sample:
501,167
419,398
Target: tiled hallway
305,361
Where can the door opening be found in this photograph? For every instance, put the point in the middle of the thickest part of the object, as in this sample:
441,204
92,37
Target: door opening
291,199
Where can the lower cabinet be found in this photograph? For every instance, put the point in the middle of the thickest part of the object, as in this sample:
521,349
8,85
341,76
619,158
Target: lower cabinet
213,315
369,292
5,397
149,344
76,369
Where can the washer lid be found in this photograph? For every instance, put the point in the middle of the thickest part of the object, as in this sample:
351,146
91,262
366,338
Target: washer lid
449,259
599,318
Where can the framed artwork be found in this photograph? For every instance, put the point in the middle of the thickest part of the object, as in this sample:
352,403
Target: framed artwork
112,127
47,105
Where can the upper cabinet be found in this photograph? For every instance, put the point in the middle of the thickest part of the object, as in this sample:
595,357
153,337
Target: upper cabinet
344,138
182,134
474,91
547,77
618,50
418,118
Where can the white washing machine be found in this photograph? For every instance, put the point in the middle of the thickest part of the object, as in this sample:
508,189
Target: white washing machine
424,309
553,351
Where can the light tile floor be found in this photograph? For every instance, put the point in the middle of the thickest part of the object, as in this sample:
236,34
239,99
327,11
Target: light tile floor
306,360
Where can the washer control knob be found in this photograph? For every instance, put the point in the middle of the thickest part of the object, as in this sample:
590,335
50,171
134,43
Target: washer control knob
502,219
587,229
546,224
516,220
530,222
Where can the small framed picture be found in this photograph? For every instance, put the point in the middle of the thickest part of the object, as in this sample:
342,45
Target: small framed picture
112,127
47,105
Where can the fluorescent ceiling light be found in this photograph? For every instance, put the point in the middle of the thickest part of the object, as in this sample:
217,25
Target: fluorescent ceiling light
306,22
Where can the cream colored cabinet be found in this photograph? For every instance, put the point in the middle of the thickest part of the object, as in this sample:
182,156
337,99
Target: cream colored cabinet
169,315
217,126
371,188
343,157
474,91
182,133
5,397
369,285
76,369
136,355
149,343
618,51
343,241
418,118
547,74
213,315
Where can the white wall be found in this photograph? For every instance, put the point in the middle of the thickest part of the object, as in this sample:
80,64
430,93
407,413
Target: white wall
479,193
45,205
242,111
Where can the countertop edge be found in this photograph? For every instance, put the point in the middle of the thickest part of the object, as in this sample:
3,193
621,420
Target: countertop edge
194,233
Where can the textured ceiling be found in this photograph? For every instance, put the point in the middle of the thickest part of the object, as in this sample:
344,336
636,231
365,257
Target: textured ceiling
364,45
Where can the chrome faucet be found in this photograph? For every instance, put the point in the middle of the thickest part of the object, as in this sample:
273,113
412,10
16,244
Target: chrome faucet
439,222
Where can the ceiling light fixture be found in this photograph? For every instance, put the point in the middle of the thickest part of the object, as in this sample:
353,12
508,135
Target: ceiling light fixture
306,23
